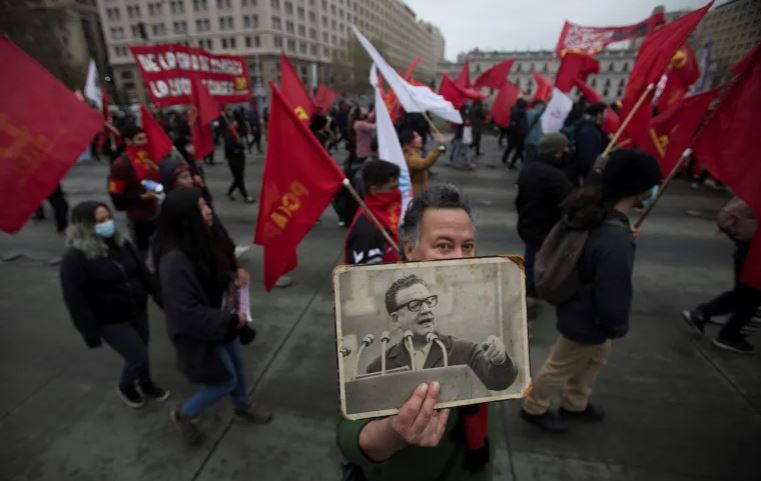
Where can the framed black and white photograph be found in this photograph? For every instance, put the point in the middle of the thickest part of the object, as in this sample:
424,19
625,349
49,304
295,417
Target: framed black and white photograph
459,322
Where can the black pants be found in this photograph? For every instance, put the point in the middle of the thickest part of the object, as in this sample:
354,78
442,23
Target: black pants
141,231
130,340
256,139
476,141
742,303
237,164
515,144
60,209
503,135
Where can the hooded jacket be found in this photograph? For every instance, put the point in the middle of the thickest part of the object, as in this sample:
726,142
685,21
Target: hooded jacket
103,282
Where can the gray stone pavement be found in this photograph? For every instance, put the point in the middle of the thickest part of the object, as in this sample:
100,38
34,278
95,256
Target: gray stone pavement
677,408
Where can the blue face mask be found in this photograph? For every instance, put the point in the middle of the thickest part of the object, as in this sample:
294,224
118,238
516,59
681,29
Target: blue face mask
653,194
105,229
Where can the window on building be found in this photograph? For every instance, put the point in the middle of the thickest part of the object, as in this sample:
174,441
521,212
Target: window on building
257,41
625,67
289,27
622,83
278,41
291,45
313,49
248,41
619,92
302,31
312,17
224,43
545,68
324,21
313,34
607,82
325,37
605,93
302,47
232,42
300,13
275,3
519,68
276,24
611,67
594,82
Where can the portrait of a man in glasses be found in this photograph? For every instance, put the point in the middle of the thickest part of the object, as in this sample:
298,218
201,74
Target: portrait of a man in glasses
411,306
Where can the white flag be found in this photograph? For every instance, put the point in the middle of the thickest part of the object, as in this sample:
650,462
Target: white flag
389,148
92,85
413,98
557,110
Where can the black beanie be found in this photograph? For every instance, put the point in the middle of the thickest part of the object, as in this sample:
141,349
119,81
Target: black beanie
629,172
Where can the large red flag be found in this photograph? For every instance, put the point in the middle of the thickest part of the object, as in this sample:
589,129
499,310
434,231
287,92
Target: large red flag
463,78
575,66
654,56
683,71
671,131
592,40
610,121
159,143
293,90
299,181
500,109
43,130
456,94
727,147
543,88
494,77
202,113
323,99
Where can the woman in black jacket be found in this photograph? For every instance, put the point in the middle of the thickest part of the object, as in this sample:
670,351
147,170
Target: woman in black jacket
196,266
105,286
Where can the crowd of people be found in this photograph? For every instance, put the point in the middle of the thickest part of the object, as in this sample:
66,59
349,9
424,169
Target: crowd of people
106,279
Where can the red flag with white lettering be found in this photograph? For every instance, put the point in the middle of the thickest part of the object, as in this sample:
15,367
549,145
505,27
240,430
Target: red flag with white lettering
36,149
299,181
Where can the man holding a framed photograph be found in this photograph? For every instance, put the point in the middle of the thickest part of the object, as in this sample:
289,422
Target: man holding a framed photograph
419,442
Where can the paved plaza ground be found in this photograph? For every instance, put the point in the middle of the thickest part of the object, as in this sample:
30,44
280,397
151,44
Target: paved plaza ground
678,409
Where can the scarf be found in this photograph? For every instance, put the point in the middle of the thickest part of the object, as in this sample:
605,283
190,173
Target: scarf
387,208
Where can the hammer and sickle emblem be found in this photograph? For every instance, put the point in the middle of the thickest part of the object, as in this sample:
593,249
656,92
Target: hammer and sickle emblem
679,59
301,113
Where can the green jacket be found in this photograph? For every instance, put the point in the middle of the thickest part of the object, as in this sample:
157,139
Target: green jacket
445,462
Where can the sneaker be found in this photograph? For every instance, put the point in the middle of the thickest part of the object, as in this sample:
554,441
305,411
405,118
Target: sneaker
250,200
154,392
187,427
283,281
253,414
592,413
740,346
548,421
130,396
695,320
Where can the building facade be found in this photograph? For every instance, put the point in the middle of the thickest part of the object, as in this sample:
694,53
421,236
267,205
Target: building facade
731,28
62,35
615,66
315,35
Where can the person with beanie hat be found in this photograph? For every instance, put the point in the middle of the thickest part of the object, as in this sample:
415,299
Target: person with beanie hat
599,309
542,186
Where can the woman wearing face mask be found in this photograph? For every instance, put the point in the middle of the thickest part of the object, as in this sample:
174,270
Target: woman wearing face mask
196,264
105,286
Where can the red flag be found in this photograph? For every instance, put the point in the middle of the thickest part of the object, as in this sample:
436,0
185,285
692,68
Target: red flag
500,109
592,40
293,90
611,120
463,78
543,88
494,77
36,150
299,181
411,68
682,72
575,66
727,146
159,143
202,113
654,56
456,94
323,99
671,131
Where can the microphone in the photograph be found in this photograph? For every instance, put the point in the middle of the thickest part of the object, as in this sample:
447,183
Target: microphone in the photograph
366,341
430,338
385,338
407,336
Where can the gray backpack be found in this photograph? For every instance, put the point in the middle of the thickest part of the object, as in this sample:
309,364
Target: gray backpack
555,275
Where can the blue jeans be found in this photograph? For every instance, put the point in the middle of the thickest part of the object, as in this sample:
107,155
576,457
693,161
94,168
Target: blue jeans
528,263
230,355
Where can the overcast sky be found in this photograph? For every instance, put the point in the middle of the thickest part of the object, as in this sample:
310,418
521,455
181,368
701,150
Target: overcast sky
529,24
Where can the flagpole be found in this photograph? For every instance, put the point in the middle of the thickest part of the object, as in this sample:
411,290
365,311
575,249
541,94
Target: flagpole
685,155
628,119
370,215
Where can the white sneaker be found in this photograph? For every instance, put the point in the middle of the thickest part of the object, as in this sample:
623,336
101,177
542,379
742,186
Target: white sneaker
283,281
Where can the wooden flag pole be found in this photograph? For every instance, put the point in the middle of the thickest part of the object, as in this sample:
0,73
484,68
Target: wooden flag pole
628,119
371,216
430,122
685,155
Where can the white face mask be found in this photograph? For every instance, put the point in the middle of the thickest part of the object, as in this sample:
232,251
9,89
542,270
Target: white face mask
105,229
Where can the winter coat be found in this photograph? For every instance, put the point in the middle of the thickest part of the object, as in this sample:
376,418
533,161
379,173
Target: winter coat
542,186
195,327
104,283
419,166
588,139
600,308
